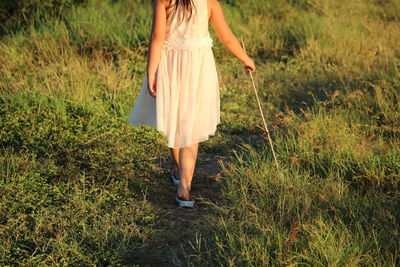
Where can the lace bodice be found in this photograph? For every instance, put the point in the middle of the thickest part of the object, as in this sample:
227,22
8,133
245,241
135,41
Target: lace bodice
189,34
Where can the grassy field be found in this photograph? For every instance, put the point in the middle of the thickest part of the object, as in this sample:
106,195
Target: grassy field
81,187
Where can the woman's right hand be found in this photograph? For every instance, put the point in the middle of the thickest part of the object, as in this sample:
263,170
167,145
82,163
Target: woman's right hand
152,85
249,64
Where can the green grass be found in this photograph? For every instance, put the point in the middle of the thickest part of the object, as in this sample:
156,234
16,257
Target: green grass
79,186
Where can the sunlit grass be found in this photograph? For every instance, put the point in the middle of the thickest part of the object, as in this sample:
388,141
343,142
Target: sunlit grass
75,176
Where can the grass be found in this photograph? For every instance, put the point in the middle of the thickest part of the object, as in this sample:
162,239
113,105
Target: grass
82,187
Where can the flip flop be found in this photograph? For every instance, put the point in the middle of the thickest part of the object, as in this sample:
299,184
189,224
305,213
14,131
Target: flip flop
185,203
174,178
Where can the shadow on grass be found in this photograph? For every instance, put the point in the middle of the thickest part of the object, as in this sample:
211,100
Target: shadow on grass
178,226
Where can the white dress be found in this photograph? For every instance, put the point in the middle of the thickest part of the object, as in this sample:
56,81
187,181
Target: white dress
187,105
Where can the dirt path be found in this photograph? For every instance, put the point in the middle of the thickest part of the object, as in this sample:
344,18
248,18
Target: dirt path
180,225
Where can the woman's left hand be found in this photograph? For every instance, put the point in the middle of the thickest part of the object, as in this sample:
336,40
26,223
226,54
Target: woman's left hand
152,85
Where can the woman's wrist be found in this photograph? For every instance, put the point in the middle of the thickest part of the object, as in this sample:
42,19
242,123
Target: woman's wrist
246,60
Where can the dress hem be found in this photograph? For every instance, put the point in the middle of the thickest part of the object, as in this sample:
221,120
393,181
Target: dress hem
202,139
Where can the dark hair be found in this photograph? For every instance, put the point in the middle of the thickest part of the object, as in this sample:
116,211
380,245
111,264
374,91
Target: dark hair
186,5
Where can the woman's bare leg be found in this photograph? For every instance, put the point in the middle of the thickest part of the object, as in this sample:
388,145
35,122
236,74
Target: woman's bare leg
175,156
187,163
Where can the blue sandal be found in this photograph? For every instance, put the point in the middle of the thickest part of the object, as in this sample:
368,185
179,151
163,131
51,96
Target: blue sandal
174,177
185,203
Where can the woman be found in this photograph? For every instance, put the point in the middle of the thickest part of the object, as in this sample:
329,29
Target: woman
180,94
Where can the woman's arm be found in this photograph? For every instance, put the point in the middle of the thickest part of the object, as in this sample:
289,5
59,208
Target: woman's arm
226,36
155,45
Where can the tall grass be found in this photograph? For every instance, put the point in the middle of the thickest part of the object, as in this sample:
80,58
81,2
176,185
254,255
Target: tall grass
76,178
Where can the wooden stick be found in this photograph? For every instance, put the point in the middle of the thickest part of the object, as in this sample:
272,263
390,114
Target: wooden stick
262,114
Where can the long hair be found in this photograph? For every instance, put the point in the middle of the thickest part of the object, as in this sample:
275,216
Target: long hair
186,5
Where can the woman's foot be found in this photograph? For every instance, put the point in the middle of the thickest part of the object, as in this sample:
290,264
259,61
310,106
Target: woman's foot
184,199
175,176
